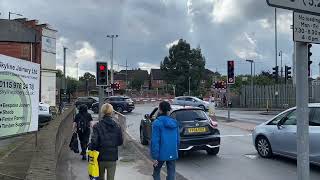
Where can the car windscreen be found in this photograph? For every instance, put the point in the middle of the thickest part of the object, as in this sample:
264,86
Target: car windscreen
189,115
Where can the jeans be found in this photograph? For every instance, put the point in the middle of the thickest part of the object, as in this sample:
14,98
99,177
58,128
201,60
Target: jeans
171,170
110,166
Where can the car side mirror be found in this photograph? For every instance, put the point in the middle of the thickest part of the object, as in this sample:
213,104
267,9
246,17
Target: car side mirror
147,116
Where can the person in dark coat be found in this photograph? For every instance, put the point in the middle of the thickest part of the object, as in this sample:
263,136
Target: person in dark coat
81,125
106,137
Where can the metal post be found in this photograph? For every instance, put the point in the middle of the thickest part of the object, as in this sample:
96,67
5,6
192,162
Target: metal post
174,90
9,15
281,73
101,95
301,52
276,35
228,101
126,76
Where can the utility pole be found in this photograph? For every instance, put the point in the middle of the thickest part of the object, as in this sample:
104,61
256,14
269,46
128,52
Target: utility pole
251,64
126,76
112,37
189,86
64,69
276,35
281,68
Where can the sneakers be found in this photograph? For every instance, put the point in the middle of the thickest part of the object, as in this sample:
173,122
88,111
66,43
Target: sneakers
84,157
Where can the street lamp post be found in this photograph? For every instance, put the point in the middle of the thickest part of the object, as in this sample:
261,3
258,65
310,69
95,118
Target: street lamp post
251,63
189,85
14,14
281,68
112,37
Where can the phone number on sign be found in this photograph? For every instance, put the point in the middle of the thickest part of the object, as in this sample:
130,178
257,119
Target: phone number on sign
15,85
314,3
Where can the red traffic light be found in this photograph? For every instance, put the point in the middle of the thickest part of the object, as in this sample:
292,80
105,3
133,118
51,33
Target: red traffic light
102,67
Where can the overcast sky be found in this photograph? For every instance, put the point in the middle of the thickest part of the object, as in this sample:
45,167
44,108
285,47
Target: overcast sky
224,29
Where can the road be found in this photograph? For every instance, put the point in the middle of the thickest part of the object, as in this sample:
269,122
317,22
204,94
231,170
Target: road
237,159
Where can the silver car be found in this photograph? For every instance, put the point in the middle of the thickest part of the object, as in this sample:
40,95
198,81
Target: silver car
279,135
191,101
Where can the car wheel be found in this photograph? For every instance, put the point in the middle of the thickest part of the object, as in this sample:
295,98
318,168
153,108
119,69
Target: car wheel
95,110
129,111
263,147
202,107
213,151
119,109
143,139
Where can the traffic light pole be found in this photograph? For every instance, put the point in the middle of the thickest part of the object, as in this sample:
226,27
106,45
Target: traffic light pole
101,96
303,166
228,100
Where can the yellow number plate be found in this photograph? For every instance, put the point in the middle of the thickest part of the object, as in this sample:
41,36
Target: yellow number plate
197,130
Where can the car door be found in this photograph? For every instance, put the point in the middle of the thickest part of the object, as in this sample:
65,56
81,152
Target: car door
284,137
189,101
153,116
314,131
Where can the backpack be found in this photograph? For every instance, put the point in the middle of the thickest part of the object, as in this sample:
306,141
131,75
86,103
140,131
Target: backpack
82,124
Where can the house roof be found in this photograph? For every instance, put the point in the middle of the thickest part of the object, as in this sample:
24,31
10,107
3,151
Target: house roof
132,74
157,74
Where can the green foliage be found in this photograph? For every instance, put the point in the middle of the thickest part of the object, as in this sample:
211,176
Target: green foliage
136,83
184,62
87,76
59,74
72,85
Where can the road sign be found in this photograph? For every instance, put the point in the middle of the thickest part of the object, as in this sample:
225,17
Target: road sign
306,28
307,6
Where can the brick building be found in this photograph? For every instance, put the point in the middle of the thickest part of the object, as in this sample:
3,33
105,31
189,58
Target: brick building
157,79
126,77
30,41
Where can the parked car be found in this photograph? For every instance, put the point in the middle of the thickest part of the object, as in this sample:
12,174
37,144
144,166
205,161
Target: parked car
279,135
88,101
121,103
44,113
197,130
191,101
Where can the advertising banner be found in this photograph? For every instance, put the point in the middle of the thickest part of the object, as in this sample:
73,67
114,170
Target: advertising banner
19,96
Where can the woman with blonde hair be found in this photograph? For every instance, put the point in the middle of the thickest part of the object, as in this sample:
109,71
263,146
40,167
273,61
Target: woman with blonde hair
106,137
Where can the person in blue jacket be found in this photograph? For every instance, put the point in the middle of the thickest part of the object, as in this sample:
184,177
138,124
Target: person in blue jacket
164,142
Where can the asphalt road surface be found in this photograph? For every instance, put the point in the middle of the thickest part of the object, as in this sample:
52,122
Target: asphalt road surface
237,159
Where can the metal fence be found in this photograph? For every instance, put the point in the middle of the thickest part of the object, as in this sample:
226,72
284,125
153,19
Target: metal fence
274,96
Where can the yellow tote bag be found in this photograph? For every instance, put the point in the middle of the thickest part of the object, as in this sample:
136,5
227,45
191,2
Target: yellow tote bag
93,166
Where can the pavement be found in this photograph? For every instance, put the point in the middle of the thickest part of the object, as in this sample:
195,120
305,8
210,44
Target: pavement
237,158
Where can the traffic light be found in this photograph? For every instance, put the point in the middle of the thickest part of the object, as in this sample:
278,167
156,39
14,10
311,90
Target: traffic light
287,74
309,59
231,79
102,73
275,72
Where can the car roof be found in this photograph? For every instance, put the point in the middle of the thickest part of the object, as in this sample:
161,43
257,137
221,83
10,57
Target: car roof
178,108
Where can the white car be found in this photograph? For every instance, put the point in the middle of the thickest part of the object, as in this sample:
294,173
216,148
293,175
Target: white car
44,113
191,101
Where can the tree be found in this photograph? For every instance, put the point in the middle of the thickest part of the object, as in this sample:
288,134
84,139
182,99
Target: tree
72,84
181,64
87,76
136,83
59,74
